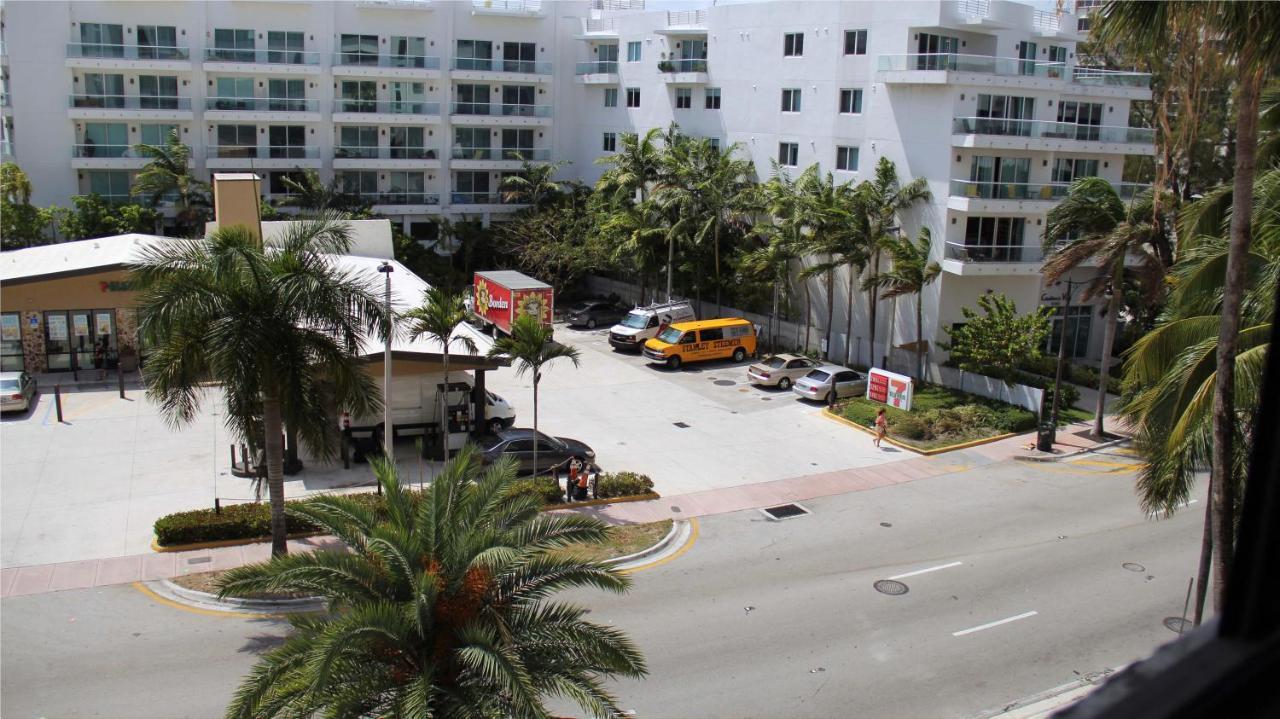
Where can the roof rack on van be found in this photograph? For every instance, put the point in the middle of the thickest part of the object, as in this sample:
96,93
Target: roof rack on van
659,305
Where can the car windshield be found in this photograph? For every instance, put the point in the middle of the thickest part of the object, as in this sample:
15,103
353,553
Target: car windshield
818,376
581,307
774,362
635,320
9,385
670,335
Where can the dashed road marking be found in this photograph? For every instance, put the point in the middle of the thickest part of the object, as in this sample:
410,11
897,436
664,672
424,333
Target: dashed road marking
996,623
926,571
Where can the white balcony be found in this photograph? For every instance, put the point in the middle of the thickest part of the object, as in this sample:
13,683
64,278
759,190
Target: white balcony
496,158
403,203
128,57
500,70
493,114
261,157
683,71
1018,198
597,73
262,109
129,107
92,156
992,260
1012,73
386,158
352,64
481,202
1044,135
386,112
508,8
250,61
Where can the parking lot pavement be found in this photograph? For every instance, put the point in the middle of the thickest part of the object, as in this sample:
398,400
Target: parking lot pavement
735,433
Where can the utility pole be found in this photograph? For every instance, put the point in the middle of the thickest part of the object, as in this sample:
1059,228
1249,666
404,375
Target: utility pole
388,434
1062,351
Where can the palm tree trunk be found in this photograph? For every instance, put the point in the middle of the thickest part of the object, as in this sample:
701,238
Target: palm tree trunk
719,309
1108,341
443,399
848,336
273,424
1206,555
831,307
1249,89
919,336
808,314
536,378
671,263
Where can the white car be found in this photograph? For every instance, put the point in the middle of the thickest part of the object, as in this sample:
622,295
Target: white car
17,391
779,371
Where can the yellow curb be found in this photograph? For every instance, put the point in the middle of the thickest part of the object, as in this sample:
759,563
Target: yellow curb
597,502
693,537
196,610
1100,463
924,452
155,543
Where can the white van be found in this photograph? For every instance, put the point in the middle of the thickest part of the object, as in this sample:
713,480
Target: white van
414,404
644,323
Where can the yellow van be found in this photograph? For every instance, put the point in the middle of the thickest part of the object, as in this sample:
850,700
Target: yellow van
683,342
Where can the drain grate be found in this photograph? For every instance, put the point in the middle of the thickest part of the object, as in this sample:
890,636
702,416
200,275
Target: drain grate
681,425
1134,567
785,511
1176,624
199,560
892,587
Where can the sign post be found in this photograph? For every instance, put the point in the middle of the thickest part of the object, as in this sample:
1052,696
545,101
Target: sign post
890,388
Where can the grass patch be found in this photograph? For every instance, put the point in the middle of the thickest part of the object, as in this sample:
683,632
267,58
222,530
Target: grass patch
942,416
207,582
623,540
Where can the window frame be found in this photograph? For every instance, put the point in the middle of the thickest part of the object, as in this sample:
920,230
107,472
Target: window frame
611,93
859,42
793,44
711,98
633,92
684,98
791,99
791,158
843,155
637,46
854,105
609,142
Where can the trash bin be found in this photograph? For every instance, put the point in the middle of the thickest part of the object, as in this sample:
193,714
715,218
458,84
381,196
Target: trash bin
1045,434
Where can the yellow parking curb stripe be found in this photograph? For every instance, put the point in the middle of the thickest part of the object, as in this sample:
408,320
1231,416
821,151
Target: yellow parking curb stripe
693,537
196,610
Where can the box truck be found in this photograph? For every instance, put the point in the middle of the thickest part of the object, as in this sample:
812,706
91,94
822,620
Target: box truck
498,297
415,409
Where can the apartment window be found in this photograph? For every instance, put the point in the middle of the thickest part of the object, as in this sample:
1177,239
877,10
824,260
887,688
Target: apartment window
517,144
232,45
359,49
633,51
1057,53
518,100
105,139
711,98
287,141
407,97
793,44
474,55
284,47
103,90
684,98
276,184
233,93
1005,114
519,56
1027,56
855,42
935,52
109,183
789,154
357,95
847,158
470,187
471,143
1002,178
1083,24
997,239
611,97
1088,115
791,100
101,40
408,143
610,142
472,100
158,92
633,97
359,182
715,143
357,141
1067,170
159,133
607,53
408,51
850,102
237,141
158,42
287,95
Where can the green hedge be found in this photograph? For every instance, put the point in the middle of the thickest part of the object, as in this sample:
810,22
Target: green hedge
940,413
547,489
623,484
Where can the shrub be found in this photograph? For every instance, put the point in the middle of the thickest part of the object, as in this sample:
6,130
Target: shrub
237,521
623,484
547,489
909,427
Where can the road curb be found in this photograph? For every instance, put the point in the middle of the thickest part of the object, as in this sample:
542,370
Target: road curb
1069,455
680,534
204,600
1042,705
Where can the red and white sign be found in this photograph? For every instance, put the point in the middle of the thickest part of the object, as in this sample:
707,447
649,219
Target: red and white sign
889,388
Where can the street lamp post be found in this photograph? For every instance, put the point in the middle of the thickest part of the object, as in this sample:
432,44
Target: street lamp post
387,434
1062,355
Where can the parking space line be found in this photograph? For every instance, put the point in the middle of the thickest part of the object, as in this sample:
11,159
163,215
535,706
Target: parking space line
926,571
997,623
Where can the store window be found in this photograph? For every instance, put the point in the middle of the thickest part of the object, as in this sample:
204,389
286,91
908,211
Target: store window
80,340
11,357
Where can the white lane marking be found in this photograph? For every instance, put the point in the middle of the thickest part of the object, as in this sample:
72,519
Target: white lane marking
980,627
926,571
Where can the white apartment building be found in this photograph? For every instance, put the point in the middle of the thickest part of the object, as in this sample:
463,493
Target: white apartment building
422,105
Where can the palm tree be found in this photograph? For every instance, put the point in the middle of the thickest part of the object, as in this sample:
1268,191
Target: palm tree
1249,34
772,260
278,328
633,168
831,231
442,607
884,200
779,197
636,233
530,346
308,192
534,185
168,175
1091,224
438,319
912,271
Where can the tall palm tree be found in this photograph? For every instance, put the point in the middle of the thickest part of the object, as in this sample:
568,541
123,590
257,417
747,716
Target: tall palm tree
911,272
534,185
1249,32
1091,224
831,231
442,608
309,193
779,198
277,327
884,199
438,318
634,167
168,175
636,233
530,346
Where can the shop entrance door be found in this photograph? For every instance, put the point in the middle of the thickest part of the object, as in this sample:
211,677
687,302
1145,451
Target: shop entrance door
80,340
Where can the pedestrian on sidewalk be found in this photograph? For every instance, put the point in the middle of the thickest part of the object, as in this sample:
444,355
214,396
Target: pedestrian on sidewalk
882,427
584,479
571,486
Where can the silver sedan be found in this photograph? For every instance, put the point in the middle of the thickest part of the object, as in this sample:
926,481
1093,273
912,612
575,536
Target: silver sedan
829,382
779,371
17,391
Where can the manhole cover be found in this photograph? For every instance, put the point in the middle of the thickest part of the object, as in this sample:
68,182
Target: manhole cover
725,382
891,587
766,399
1134,567
1177,625
885,524
199,560
681,425
784,511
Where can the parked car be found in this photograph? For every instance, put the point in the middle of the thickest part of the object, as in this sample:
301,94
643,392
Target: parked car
779,371
17,391
643,323
829,382
519,442
729,338
594,312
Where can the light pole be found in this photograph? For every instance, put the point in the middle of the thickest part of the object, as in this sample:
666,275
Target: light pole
387,434
1062,355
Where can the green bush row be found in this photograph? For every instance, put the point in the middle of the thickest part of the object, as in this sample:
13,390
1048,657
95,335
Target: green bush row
940,412
623,484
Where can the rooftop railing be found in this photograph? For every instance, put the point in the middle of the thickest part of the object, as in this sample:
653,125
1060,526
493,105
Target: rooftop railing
600,25
383,153
358,59
131,102
127,52
273,57
1051,130
596,68
393,107
497,64
686,18
511,6
993,253
261,104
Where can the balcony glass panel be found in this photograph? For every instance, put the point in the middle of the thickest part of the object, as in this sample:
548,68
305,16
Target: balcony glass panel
1112,78
277,57
476,198
131,102
596,68
994,253
128,52
1051,130
420,62
384,153
232,151
682,66
263,104
497,64
401,198
292,152
526,110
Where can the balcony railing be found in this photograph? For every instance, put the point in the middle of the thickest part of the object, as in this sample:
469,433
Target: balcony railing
400,198
127,52
231,152
1051,130
516,154
110,198
511,6
596,68
982,64
994,253
1030,191
358,59
497,64
393,107
261,104
293,152
500,109
274,152
131,102
274,57
682,66
94,150
603,25
476,198
6,148
384,153
686,18
1113,78
4,99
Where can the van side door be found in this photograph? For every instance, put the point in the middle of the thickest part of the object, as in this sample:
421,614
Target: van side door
708,341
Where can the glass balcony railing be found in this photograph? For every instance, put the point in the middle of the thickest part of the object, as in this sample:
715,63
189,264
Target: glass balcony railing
274,152
293,152
596,68
261,104
682,66
1111,78
400,198
993,253
368,59
500,109
95,150
475,198
393,107
1051,130
4,99
495,64
384,153
514,154
110,198
127,52
1030,191
225,152
6,149
982,64
131,102
273,57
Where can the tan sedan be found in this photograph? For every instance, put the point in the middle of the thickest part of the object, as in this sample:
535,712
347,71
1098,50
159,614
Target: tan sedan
779,371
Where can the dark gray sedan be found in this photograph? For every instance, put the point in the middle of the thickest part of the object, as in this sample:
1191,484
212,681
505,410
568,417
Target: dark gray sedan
519,443
594,312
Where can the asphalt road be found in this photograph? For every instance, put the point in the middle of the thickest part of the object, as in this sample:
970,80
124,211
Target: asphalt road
758,618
